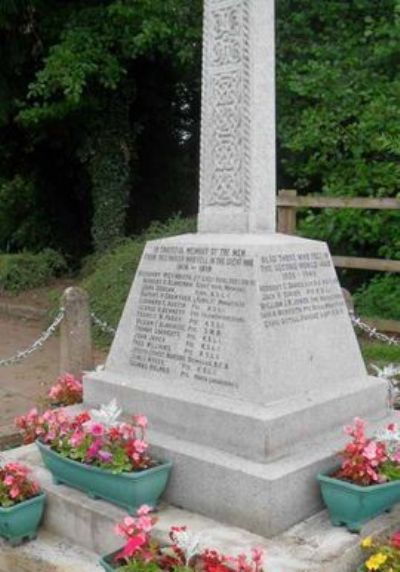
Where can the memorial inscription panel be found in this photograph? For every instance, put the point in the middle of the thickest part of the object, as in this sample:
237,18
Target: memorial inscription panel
194,303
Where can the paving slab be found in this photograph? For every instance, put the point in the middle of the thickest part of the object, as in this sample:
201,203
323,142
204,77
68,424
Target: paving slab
48,553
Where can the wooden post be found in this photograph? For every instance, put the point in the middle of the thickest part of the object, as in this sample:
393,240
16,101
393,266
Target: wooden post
75,333
287,216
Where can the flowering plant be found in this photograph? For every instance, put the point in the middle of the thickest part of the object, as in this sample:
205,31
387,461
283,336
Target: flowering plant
370,460
15,486
184,553
120,448
67,391
384,555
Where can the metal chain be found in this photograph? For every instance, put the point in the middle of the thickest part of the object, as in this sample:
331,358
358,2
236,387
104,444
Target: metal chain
21,355
356,321
372,332
103,325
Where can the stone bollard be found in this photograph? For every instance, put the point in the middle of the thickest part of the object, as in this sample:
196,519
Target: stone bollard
75,333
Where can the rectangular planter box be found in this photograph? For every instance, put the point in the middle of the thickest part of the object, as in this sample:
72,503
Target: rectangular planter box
353,505
21,521
127,490
107,561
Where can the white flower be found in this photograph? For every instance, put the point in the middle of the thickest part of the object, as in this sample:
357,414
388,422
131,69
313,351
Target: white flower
387,372
107,415
189,543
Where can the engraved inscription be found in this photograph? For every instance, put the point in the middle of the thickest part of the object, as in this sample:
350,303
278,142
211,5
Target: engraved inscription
197,305
296,288
188,311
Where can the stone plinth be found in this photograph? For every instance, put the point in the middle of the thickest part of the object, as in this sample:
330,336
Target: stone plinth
241,352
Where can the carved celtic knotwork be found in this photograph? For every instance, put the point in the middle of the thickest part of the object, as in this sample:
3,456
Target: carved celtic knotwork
226,48
225,141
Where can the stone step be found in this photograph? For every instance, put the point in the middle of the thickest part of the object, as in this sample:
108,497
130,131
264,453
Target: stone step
48,553
72,518
250,430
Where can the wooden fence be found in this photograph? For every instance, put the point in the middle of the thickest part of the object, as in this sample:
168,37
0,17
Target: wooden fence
288,204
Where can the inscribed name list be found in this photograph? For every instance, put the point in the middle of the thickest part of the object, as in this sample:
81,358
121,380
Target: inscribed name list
196,304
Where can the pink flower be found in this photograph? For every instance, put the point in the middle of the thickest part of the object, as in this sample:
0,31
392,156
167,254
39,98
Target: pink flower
370,451
105,456
32,414
145,523
127,431
14,492
55,392
140,446
393,427
257,555
126,527
77,438
93,449
129,521
9,480
97,429
144,509
396,456
141,421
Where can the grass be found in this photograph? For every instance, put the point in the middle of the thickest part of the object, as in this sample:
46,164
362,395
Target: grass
379,353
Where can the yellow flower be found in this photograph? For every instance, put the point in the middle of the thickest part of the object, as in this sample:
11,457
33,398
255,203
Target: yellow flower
367,542
374,563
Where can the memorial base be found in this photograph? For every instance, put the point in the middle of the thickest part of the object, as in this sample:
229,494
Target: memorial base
241,352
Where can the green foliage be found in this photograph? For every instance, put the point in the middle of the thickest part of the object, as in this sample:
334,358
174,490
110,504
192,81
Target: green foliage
379,353
26,270
22,217
78,82
339,118
380,298
110,153
139,566
99,42
111,274
99,118
391,470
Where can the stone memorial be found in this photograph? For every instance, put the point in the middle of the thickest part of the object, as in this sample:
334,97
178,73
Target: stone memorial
236,341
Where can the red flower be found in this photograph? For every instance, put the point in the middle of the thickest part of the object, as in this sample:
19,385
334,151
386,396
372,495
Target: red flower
395,540
131,547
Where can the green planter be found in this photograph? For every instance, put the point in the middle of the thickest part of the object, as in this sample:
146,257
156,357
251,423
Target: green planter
127,490
21,521
107,562
353,505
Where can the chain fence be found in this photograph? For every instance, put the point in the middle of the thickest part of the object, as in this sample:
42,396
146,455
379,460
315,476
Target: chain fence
37,345
372,332
105,327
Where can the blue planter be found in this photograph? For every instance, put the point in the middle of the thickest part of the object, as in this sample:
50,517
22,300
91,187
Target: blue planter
107,562
127,490
21,521
353,505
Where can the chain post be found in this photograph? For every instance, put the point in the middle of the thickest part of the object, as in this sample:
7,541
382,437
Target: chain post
75,333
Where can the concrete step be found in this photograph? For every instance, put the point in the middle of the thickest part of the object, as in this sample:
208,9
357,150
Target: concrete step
48,553
73,519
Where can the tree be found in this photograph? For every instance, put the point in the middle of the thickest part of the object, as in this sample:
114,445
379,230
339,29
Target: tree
339,114
93,72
